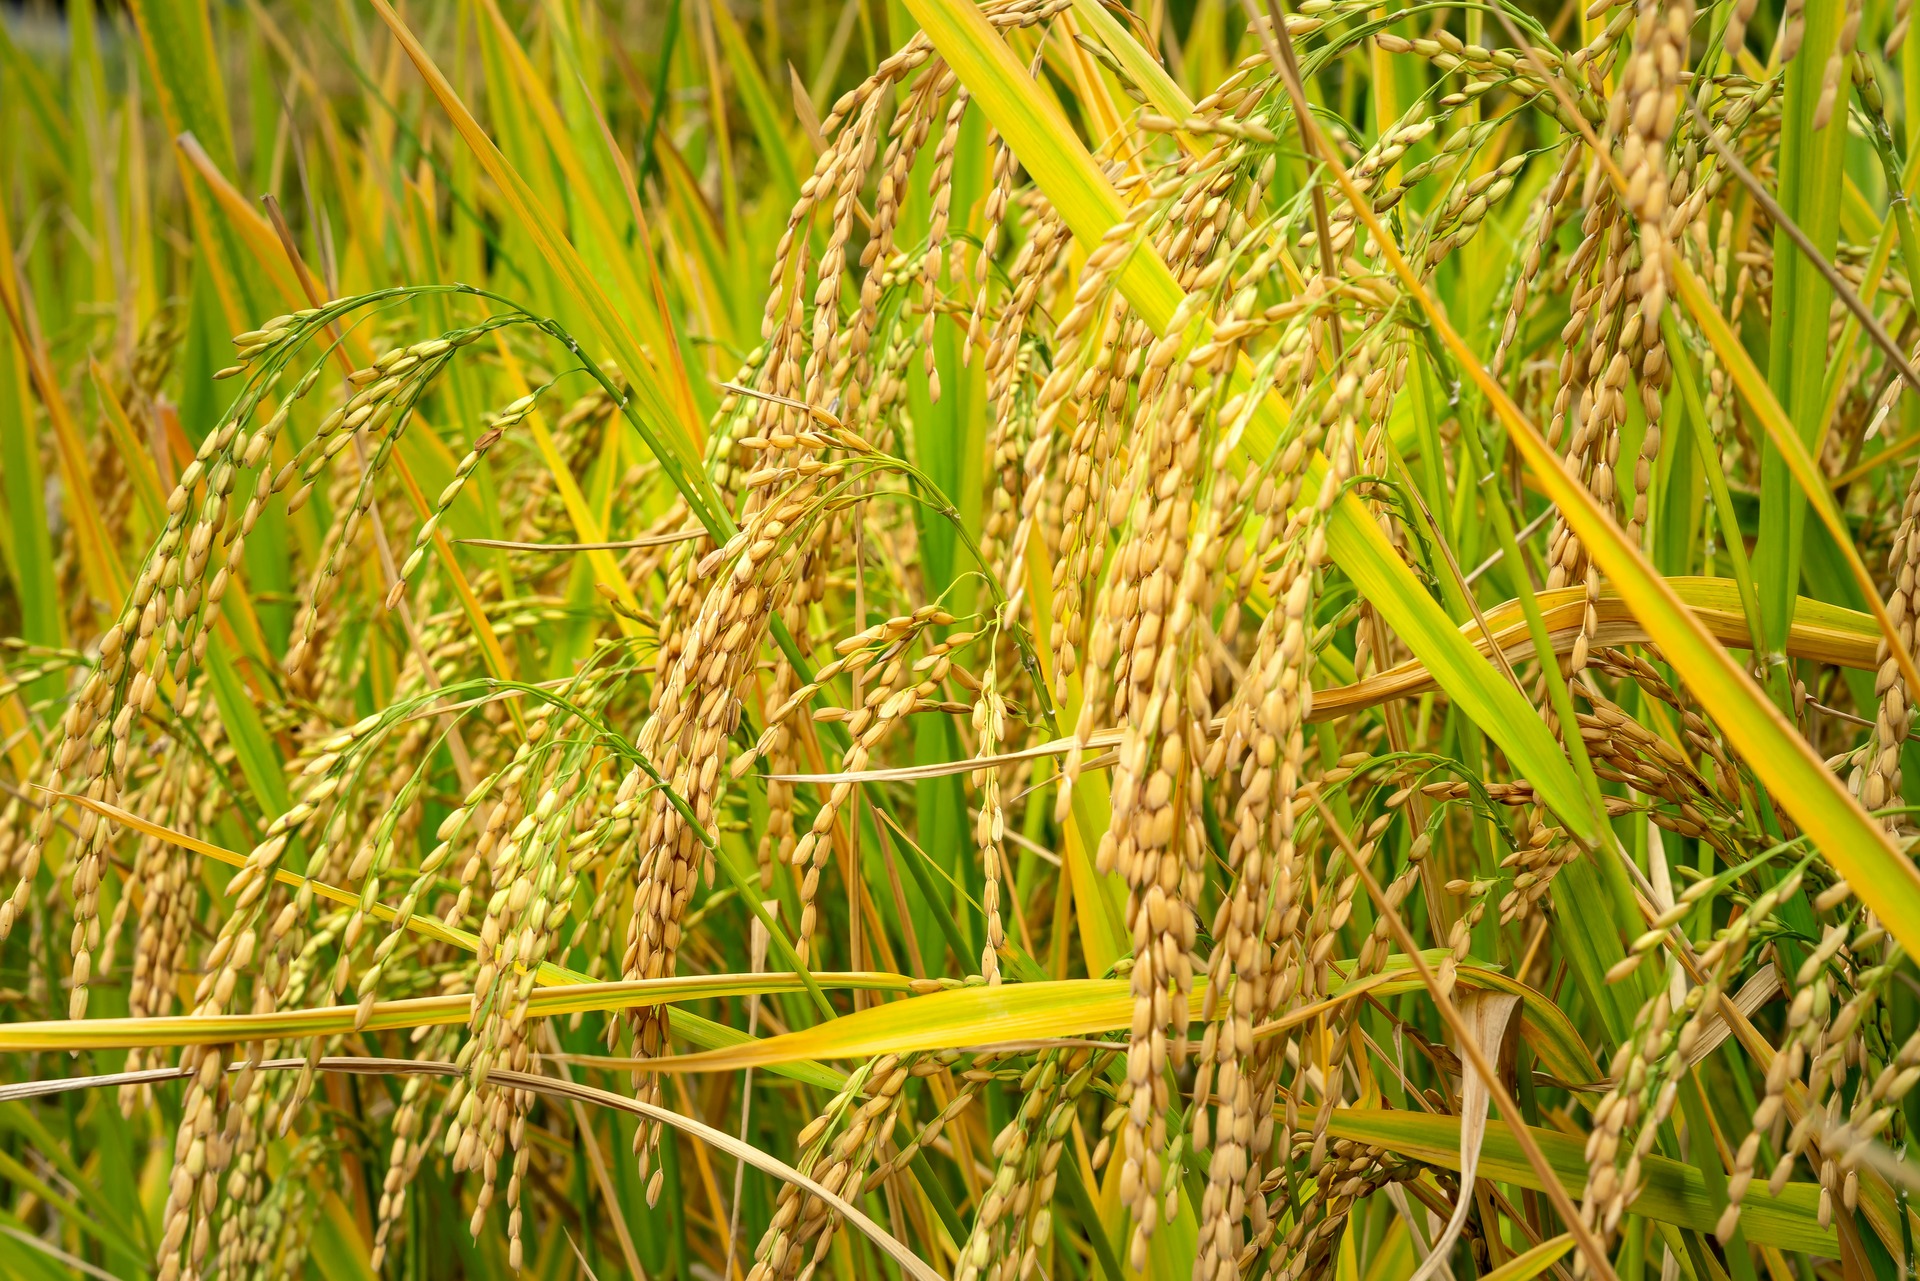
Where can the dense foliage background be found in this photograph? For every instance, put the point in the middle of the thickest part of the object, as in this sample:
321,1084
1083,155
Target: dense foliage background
884,637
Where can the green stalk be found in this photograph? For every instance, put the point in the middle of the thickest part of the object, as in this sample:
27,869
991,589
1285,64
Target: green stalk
1593,944
1810,188
1557,694
1730,536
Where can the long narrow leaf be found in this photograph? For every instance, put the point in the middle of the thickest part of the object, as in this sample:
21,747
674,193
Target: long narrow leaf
1671,1192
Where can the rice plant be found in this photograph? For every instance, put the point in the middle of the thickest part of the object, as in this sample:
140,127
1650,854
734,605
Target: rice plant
927,639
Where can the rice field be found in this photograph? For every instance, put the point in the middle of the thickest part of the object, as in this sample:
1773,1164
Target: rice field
1069,639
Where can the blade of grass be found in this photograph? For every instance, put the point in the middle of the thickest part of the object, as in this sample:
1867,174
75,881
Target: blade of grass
1099,902
14,1171
1818,261
1810,169
253,747
104,573
253,230
1723,509
24,484
129,1234
38,92
139,463
758,100
1671,1192
176,41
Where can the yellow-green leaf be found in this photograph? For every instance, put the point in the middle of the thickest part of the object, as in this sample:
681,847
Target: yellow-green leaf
1671,1192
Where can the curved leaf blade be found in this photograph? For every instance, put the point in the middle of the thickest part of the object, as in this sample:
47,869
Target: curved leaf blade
1672,1191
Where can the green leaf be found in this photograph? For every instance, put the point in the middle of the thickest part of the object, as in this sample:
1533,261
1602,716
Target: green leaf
123,1238
335,1248
757,98
1672,1192
179,39
25,1256
1810,192
252,746
30,542
30,81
